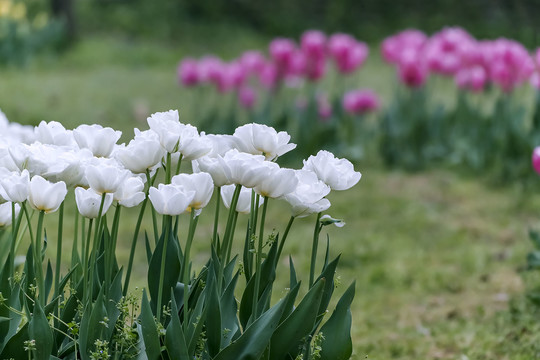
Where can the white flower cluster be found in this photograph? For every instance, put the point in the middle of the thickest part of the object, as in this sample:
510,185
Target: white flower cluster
39,165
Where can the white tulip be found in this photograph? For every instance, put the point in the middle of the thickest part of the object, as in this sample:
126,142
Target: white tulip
308,197
15,186
6,213
54,133
130,193
46,196
337,173
98,139
246,169
140,154
88,202
260,139
170,199
105,178
279,182
216,166
201,184
220,143
169,129
244,200
194,147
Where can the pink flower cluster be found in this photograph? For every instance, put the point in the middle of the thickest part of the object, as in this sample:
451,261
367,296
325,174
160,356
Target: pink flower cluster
454,52
286,61
358,102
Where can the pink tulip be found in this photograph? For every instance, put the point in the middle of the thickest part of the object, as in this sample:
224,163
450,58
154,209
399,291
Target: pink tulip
412,70
393,47
253,62
536,159
443,51
360,101
313,44
348,54
510,64
269,76
535,80
247,97
282,51
188,72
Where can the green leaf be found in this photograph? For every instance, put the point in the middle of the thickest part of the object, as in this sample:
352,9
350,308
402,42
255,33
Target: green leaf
172,266
268,275
175,341
91,327
48,279
298,325
41,332
337,343
213,321
292,277
289,306
229,309
12,349
149,330
252,343
327,274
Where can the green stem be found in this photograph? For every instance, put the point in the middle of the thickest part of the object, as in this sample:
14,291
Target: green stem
228,230
37,259
258,259
229,248
96,246
216,216
185,266
314,247
168,224
15,226
110,253
59,249
28,220
86,256
284,237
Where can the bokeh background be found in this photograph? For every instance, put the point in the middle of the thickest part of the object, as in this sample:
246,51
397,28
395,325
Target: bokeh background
438,255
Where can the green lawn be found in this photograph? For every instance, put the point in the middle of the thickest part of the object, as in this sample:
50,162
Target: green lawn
435,255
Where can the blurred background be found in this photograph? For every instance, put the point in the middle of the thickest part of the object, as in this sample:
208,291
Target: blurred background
438,254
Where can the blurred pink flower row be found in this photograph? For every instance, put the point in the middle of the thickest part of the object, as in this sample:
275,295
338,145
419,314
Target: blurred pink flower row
287,62
453,52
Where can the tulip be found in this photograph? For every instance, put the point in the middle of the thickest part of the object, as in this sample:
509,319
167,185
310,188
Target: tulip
247,97
54,133
46,196
360,101
130,193
140,154
253,61
279,182
105,178
244,200
245,169
6,213
89,202
308,197
201,184
260,139
216,166
170,199
15,186
192,146
313,44
169,129
98,139
188,72
337,173
536,159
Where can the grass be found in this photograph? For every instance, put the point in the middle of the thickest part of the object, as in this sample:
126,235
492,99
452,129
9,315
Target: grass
435,255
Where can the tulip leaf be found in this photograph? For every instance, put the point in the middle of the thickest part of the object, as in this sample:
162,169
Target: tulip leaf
196,321
292,277
255,339
149,330
268,275
229,308
175,341
148,248
40,331
298,325
91,324
48,279
13,346
328,275
535,238
213,321
247,256
115,294
171,275
289,306
337,343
